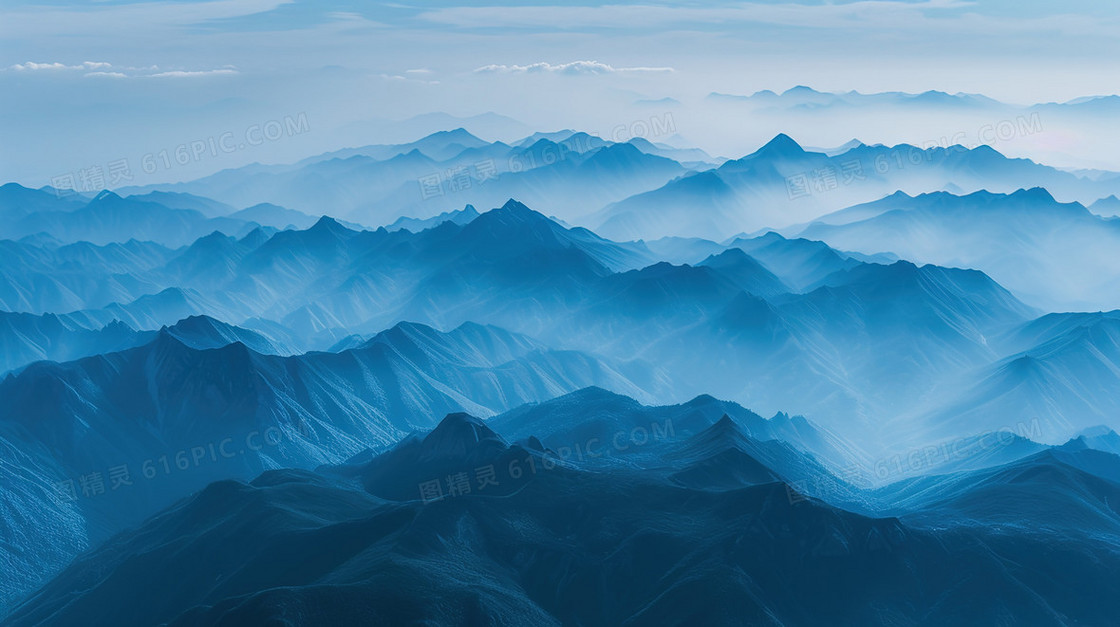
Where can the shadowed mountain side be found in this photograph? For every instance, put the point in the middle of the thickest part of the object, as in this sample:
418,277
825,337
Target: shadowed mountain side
563,547
596,427
26,338
173,418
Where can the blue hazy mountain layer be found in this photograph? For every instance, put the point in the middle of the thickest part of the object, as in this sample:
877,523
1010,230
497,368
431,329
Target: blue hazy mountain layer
629,190
542,542
176,413
782,184
777,324
109,218
758,191
378,184
27,338
1053,254
217,406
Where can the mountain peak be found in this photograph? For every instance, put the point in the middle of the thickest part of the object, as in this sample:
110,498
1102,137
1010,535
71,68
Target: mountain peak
511,214
514,206
327,224
622,149
723,448
596,394
724,423
461,436
800,89
1096,432
196,322
733,257
781,146
724,433
1107,206
700,400
460,135
1038,194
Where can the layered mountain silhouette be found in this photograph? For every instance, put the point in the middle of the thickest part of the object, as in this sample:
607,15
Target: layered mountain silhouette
536,395
555,545
377,184
630,190
198,396
779,324
782,184
1052,254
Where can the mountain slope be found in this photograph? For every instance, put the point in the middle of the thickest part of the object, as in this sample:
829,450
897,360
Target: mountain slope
1066,383
563,547
781,185
1049,253
109,218
175,417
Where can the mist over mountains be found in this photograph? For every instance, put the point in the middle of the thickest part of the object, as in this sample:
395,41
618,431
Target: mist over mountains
648,384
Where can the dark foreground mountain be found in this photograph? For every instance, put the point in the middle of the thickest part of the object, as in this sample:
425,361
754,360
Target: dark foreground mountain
102,442
461,527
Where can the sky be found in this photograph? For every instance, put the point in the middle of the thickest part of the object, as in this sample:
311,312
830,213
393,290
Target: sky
95,84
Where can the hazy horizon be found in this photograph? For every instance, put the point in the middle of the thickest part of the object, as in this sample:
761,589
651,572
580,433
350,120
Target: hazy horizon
89,85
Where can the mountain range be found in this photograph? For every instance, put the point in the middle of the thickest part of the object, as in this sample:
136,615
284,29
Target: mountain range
1050,253
763,316
382,540
527,381
196,404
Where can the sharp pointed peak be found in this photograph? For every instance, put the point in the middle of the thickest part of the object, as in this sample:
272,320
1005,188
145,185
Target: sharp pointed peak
458,434
725,428
781,145
329,225
511,212
514,205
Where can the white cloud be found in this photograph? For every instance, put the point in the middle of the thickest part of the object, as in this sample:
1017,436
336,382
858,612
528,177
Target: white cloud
101,69
192,73
32,66
574,68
